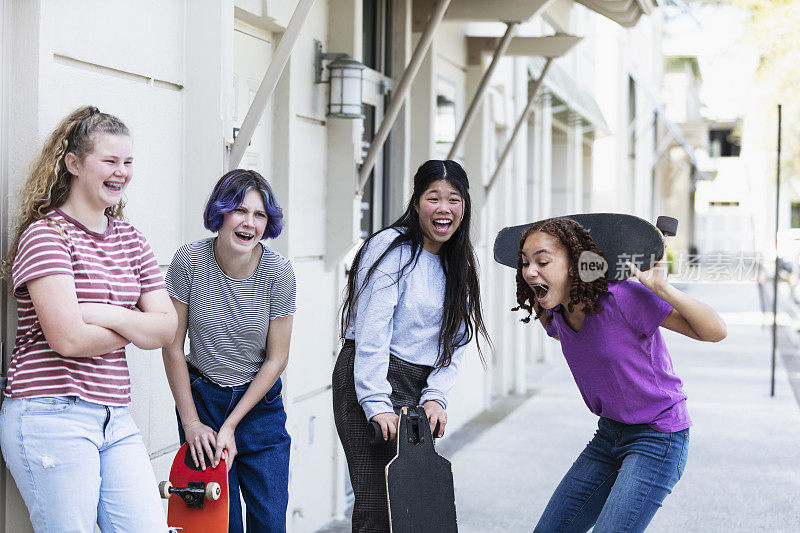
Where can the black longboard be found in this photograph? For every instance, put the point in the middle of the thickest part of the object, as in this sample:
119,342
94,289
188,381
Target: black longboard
419,481
619,236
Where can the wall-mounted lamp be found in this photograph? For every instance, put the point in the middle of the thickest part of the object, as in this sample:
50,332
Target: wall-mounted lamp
345,77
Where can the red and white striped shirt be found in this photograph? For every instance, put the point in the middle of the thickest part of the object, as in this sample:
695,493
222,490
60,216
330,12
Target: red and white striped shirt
114,267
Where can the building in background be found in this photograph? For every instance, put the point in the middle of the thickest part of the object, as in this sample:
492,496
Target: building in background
681,150
726,207
183,77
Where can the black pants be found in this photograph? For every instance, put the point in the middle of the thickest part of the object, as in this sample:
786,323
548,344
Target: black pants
367,463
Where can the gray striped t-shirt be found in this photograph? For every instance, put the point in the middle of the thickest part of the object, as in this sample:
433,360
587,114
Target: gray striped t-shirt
229,318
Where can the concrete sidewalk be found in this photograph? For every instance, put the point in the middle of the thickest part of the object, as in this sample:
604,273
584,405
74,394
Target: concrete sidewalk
743,472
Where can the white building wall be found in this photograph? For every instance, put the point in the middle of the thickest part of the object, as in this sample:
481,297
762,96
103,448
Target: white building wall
170,81
624,53
729,229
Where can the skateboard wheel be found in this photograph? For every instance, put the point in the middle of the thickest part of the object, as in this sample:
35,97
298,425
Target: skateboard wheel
213,491
163,489
374,433
667,225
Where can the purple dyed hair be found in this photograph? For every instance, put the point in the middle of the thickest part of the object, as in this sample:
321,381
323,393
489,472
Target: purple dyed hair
229,193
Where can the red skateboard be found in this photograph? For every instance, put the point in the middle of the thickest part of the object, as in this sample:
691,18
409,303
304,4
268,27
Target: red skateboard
198,499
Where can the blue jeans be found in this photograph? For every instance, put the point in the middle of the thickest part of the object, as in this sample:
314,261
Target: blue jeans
78,463
261,466
618,482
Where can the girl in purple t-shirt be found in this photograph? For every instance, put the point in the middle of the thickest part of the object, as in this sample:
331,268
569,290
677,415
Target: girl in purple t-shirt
610,335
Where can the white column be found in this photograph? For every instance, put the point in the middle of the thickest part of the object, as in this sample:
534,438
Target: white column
546,162
400,140
544,189
576,164
476,162
517,188
531,338
20,140
342,204
207,89
422,105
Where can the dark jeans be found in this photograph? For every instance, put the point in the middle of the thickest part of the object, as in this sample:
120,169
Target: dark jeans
618,482
261,466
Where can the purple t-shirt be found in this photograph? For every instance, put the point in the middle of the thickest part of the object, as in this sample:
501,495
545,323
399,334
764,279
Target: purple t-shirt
620,362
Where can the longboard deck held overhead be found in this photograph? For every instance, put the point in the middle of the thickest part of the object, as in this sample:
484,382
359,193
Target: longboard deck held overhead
620,237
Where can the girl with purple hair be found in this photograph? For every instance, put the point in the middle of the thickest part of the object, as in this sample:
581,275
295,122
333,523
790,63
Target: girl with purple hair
235,298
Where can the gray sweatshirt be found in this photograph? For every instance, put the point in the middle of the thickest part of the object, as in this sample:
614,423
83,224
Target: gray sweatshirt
401,317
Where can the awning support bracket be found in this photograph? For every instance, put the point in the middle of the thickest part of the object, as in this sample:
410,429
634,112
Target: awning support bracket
270,81
522,119
469,116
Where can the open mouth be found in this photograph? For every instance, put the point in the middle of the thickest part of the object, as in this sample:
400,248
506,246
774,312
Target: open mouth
540,290
114,186
442,225
246,237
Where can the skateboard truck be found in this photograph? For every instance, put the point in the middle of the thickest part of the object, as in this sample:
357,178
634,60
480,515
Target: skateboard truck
414,434
194,495
667,225
375,435
419,481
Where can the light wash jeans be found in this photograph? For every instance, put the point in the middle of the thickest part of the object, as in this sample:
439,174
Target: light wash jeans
619,481
78,463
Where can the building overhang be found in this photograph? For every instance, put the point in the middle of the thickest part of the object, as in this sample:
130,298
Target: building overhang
624,12
483,11
548,46
577,103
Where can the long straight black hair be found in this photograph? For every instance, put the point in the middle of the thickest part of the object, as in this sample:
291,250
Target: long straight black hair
462,316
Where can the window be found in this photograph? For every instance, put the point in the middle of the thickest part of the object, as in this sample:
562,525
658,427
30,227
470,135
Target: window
445,127
724,142
796,214
377,33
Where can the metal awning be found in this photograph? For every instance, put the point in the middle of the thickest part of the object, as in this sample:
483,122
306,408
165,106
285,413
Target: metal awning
624,12
675,133
579,101
483,10
268,84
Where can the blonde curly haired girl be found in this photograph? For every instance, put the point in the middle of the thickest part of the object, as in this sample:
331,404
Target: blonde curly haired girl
87,284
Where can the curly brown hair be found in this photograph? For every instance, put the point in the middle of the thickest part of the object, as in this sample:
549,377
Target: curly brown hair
48,183
575,240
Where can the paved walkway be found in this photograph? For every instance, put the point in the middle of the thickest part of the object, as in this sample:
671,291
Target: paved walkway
743,472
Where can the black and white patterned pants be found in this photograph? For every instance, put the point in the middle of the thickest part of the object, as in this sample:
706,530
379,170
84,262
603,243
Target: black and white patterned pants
367,463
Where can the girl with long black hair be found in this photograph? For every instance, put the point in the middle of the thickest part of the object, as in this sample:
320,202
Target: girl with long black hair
412,305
